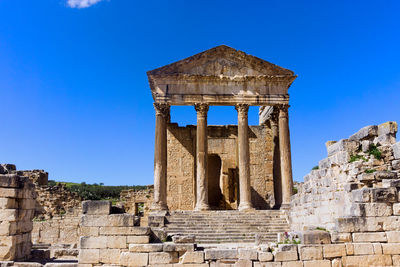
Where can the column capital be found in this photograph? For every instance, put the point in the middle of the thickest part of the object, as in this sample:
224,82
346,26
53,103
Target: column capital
201,108
283,110
162,109
274,115
242,108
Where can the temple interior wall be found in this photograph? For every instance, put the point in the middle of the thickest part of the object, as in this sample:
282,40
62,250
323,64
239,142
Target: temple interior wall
222,151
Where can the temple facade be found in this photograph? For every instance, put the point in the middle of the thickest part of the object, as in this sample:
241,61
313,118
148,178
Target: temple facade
221,167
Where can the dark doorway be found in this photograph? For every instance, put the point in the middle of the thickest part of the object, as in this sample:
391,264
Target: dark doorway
214,176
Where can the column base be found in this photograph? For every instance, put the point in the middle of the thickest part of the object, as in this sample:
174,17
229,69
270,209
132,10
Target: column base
285,206
159,207
245,207
202,207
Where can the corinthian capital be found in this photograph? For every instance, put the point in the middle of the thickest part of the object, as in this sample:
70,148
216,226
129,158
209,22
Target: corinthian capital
242,109
201,108
161,109
283,110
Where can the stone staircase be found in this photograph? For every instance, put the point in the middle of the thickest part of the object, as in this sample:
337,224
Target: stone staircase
228,226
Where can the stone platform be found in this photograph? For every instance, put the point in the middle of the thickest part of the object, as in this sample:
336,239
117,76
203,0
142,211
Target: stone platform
228,226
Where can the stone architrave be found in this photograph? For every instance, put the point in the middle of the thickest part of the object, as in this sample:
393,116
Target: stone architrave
160,157
286,160
201,157
244,158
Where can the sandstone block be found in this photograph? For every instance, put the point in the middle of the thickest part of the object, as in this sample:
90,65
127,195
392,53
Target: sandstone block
9,180
248,254
8,228
396,164
363,249
163,257
391,248
124,230
343,145
116,242
292,264
93,242
285,256
110,256
396,260
367,260
89,256
98,207
9,192
89,231
183,239
170,247
243,263
362,195
315,237
317,263
389,127
334,250
310,252
384,195
377,209
385,175
265,256
366,177
8,203
337,263
7,253
393,236
369,237
396,150
377,248
386,183
114,220
138,239
216,254
366,133
266,264
133,259
340,237
157,247
193,257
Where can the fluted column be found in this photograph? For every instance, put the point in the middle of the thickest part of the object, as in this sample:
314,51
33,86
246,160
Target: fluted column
201,157
286,159
244,158
276,161
160,157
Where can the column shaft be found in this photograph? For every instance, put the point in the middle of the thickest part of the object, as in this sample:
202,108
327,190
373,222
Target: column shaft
276,160
244,158
286,160
201,158
160,157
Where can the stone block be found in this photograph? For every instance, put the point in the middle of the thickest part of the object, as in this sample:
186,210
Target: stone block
340,237
396,164
315,237
110,256
393,236
89,256
10,215
265,256
243,263
8,203
124,230
133,259
384,195
193,257
317,263
287,247
369,237
334,250
170,247
377,209
366,133
386,183
391,248
292,264
116,241
366,177
97,207
216,254
248,254
384,175
396,150
109,221
377,248
183,239
88,231
396,260
343,145
362,195
93,242
265,264
163,257
367,260
308,252
9,192
389,127
8,228
156,247
285,256
349,248
138,239
9,180
363,248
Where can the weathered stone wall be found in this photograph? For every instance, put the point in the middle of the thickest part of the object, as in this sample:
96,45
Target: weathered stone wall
57,230
131,198
17,206
222,143
355,189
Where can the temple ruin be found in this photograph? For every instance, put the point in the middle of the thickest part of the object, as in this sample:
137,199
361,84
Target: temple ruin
220,167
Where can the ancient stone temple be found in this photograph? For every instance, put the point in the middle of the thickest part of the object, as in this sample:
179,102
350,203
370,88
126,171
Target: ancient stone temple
220,167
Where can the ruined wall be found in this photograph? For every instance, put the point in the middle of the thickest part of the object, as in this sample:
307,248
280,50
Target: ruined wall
17,205
131,198
222,141
355,189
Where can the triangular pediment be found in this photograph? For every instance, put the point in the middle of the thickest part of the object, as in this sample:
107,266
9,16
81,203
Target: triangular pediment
222,61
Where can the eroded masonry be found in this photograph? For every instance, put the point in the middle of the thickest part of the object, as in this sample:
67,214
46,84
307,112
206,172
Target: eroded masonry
222,167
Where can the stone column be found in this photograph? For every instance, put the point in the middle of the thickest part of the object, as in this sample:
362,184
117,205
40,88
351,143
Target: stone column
160,157
276,161
286,159
201,157
244,158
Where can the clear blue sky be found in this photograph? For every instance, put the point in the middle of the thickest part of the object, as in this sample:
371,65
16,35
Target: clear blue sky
75,99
